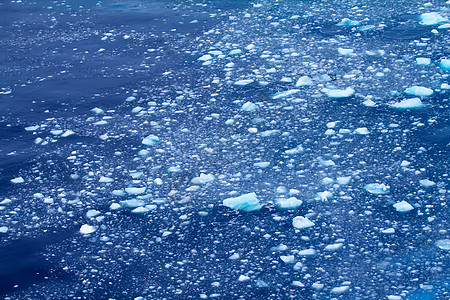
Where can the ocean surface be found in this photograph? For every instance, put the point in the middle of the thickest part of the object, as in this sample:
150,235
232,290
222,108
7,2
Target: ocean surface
225,149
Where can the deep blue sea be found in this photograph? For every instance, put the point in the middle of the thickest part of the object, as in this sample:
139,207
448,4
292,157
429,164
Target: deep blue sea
225,149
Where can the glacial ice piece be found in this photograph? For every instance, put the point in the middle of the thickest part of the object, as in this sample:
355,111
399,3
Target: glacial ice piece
403,206
246,203
443,244
333,247
105,179
343,180
132,203
304,81
427,183
445,64
347,22
243,82
307,252
340,289
302,222
249,106
285,94
377,188
343,51
419,91
432,18
140,210
412,103
135,190
297,150
288,259
324,196
288,204
338,93
203,178
4,229
87,229
205,57
262,165
18,180
150,140
362,131
423,61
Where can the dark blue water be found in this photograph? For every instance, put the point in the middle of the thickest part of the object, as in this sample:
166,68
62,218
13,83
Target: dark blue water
84,82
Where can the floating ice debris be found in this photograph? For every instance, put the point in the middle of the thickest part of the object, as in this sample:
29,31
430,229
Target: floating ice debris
343,180
104,179
87,229
140,210
340,289
412,103
4,229
445,64
394,297
348,22
337,93
203,178
32,128
114,206
343,51
419,91
286,79
377,188
97,111
362,130
369,103
426,182
67,133
298,283
261,283
366,27
327,180
174,169
92,213
130,98
388,231
307,252
304,81
249,106
333,247
403,206
243,278
150,140
287,258
327,163
443,244
262,165
135,190
297,150
243,82
302,222
18,180
235,52
288,204
317,286
423,61
285,94
205,57
432,18
132,203
247,203
324,196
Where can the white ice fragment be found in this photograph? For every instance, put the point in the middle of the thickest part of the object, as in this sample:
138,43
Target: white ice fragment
343,180
394,297
324,196
297,283
412,103
136,109
432,18
362,131
443,244
348,22
4,229
130,98
419,91
340,289
235,52
67,133
140,210
243,82
388,231
317,286
403,206
327,163
114,206
333,247
302,222
262,165
205,57
97,111
118,193
56,132
327,180
445,64
234,256
150,140
284,94
243,278
377,188
92,213
247,202
286,79
32,128
203,178
132,203
423,61
287,258
158,181
307,252
304,81
249,106
426,182
405,163
87,229
297,150
343,51
339,93
135,190
18,180
288,204
369,103
104,179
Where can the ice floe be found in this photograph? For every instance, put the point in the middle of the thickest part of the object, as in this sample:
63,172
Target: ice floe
403,206
419,91
247,202
432,18
412,103
377,188
339,93
288,204
302,222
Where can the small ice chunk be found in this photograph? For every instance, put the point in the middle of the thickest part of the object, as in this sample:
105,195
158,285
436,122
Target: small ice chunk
333,247
262,165
243,278
339,93
150,140
235,52
203,178
288,204
114,206
340,289
412,103
304,81
243,82
32,128
140,210
247,202
427,183
287,258
405,163
67,133
388,231
369,103
343,180
302,222
234,256
307,252
432,18
104,179
298,283
362,130
249,106
403,206
317,286
297,150
97,111
205,57
135,190
324,196
87,229
327,180
130,98
92,213
423,61
394,297
347,22
377,188
443,244
445,64
284,94
419,91
18,180
4,229
118,193
132,203
343,51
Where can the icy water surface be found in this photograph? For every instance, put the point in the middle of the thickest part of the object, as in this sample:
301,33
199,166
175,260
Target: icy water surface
224,149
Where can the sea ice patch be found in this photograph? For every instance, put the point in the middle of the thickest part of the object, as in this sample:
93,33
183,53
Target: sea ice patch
246,203
419,91
432,18
403,206
377,188
339,93
302,222
412,103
